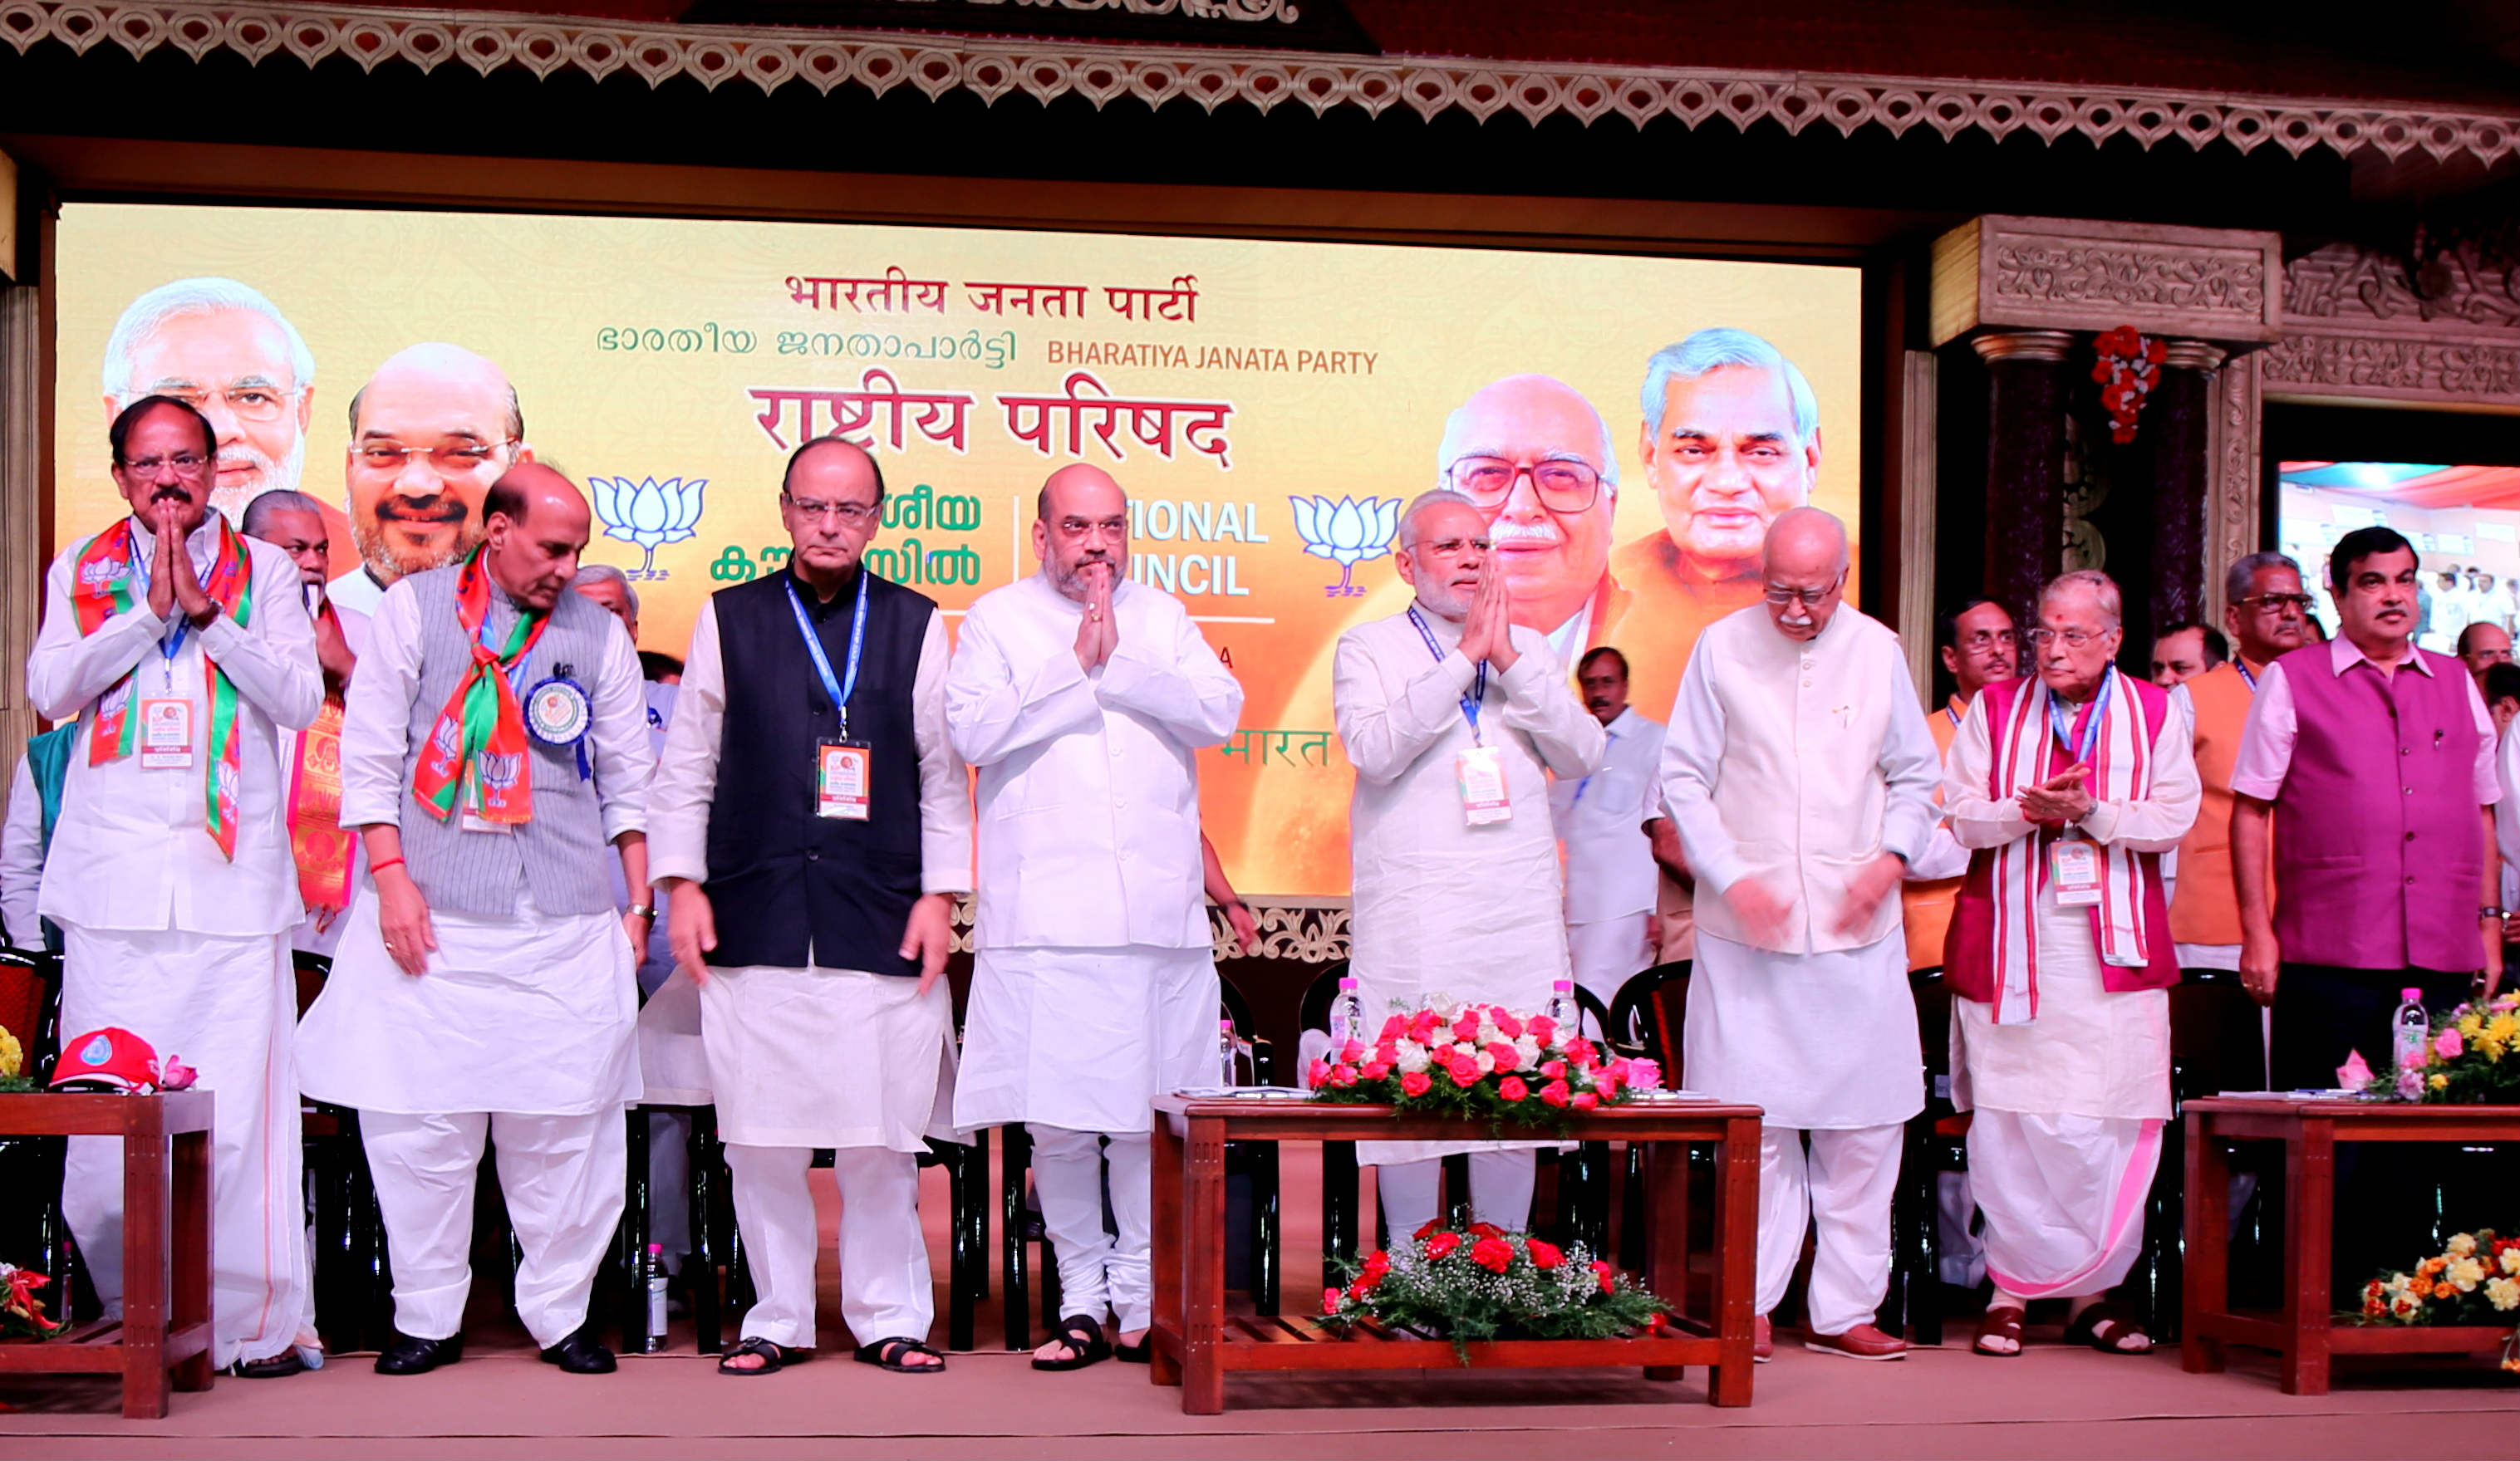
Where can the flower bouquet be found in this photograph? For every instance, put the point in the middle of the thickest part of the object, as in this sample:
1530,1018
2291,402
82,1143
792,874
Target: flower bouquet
1483,1283
22,1313
1482,1061
2474,1055
2474,1280
13,1064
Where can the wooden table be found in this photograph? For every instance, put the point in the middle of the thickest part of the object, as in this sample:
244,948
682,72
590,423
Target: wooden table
1196,1343
2305,1333
165,1323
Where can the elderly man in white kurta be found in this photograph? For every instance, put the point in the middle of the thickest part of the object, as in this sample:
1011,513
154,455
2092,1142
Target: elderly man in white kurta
811,825
1613,881
485,989
2069,786
1081,696
181,649
1454,717
1800,771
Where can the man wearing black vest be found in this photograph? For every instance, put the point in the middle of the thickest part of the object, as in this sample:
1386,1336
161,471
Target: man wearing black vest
813,825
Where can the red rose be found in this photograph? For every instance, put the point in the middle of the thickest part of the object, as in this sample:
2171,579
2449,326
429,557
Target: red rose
1330,1301
1394,1028
1609,1281
1343,1076
1584,1100
1464,1074
1512,1088
1603,1081
1389,1052
1377,1263
1555,1094
1507,1026
1428,1228
1486,1230
1365,1284
1416,1084
1503,1057
1544,1255
1441,1245
1494,1255
1582,1053
1376,1070
1467,1027
1351,1052
1541,1029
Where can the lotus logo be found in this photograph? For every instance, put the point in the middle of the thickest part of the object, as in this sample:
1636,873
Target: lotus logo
648,512
1346,532
498,771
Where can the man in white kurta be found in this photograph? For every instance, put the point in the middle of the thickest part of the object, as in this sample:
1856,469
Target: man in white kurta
817,921
1800,771
169,874
1611,878
1454,901
2068,787
1082,696
485,991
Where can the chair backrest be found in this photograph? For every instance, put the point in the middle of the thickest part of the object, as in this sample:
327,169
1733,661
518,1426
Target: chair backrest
2217,1036
1646,1019
312,970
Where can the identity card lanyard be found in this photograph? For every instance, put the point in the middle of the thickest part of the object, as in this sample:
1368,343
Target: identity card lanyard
166,719
2074,860
842,768
1478,767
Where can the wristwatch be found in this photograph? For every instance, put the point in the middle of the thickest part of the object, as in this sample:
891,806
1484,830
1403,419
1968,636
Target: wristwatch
647,910
2491,912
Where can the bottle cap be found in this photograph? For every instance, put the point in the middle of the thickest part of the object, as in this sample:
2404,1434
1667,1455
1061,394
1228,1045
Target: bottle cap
657,1249
1348,983
2412,996
1225,1027
1563,985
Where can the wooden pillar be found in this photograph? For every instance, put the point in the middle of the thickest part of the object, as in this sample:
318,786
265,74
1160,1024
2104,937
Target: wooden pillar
2179,419
2025,464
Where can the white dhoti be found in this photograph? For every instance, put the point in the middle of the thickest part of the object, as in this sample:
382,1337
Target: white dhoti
842,1058
522,1032
1607,953
2063,1198
1076,1043
227,1006
1824,1043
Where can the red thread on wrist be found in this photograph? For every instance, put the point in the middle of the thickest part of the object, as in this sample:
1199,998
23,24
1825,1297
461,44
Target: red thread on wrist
376,867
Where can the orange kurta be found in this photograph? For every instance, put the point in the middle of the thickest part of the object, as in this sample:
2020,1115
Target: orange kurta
1928,906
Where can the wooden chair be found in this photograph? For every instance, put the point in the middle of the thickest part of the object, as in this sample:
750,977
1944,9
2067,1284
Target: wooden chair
1647,1020
2217,1043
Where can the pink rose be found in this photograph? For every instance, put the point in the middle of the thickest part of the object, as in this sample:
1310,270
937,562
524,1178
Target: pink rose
1554,1094
1318,1073
1416,1084
1512,1088
1394,1028
2447,1044
1466,1028
1389,1052
1503,1055
1376,1070
1465,1075
1645,1074
1507,1026
1330,1301
1541,1029
1554,1070
1343,1076
1584,1100
1606,1084
1582,1053
1352,1052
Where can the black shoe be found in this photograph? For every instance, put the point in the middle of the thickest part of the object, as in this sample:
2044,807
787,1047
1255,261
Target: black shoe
271,1367
580,1355
418,1356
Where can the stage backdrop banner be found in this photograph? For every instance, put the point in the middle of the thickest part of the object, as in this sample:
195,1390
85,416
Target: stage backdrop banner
1269,406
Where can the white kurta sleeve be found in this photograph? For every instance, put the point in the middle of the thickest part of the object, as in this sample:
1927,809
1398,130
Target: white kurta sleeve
944,783
66,671
1182,684
1386,733
1692,755
993,709
622,760
1911,768
1538,703
272,659
375,714
686,782
2158,822
1976,819
22,859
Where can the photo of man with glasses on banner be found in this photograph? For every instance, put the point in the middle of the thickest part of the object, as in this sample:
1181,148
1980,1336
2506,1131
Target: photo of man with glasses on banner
431,430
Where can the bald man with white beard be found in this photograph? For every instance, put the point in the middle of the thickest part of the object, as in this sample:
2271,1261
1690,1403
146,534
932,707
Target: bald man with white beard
430,433
1801,775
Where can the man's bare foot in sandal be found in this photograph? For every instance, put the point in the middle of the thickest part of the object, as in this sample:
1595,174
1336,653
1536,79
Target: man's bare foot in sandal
1999,1332
1080,1343
2106,1327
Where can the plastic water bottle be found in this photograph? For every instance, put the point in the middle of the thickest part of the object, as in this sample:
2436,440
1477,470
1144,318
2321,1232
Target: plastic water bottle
1225,1049
1347,1016
655,1337
2410,1031
1563,1012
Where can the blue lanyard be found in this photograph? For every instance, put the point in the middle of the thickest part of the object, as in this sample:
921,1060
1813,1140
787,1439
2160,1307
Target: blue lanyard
1610,738
1479,686
2063,724
2242,666
838,688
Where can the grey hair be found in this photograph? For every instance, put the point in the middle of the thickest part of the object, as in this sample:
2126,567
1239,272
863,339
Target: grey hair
2243,574
205,295
278,500
1713,350
1453,447
2104,590
605,573
1425,502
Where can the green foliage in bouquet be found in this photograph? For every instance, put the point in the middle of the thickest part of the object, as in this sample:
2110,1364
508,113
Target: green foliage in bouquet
1483,1283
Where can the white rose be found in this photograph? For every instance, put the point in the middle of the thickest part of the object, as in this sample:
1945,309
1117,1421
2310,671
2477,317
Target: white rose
1527,1051
2502,1293
1485,1061
2461,1245
1412,1057
2465,1274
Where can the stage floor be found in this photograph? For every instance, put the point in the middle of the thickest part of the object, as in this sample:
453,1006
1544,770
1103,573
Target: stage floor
2053,1404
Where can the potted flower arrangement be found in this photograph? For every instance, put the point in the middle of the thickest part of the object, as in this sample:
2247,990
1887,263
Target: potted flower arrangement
1482,1283
22,1313
2474,1281
1481,1061
2474,1054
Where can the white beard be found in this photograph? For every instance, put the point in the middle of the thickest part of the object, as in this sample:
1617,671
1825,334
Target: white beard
282,475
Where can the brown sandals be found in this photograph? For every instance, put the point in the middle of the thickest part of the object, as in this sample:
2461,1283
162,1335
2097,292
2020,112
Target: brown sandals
2002,1322
2106,1327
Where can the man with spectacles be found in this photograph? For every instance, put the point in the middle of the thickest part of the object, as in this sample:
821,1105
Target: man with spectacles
1455,716
224,348
1534,459
1731,438
1801,775
432,428
1978,647
2268,616
181,649
2481,646
812,826
1083,697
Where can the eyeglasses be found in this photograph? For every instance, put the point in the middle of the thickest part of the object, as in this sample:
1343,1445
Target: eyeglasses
185,463
1567,486
1988,638
844,515
449,458
2276,603
246,403
2074,639
1807,597
1084,527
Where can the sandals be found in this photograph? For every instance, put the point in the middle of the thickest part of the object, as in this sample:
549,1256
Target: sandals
2002,1322
773,1358
2102,1325
1084,1339
1141,1352
889,1353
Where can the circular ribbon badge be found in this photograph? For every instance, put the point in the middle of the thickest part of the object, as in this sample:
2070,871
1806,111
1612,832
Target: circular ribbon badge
558,713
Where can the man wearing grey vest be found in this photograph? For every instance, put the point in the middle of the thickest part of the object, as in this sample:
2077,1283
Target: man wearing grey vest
494,741
813,825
